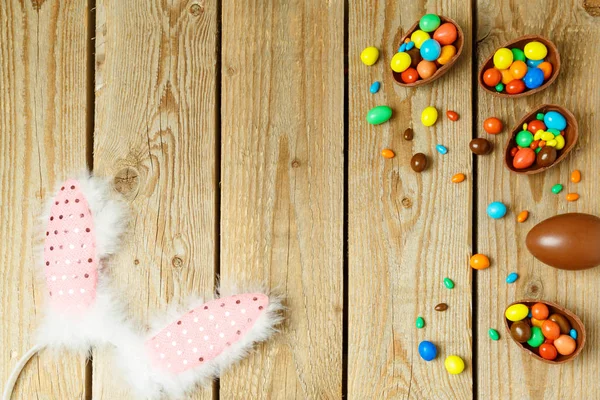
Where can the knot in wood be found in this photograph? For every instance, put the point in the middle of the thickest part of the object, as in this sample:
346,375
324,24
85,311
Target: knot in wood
196,9
127,180
295,164
177,262
406,202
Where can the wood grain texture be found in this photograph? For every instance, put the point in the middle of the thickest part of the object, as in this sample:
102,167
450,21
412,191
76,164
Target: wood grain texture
504,370
282,187
156,136
42,140
407,231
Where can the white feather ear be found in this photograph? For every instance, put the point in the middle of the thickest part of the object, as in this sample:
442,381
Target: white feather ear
199,344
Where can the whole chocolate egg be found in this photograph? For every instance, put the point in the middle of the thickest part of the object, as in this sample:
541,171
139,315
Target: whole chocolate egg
566,241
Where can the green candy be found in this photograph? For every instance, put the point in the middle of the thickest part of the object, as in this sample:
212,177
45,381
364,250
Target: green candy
448,283
494,335
420,323
524,138
540,116
379,115
556,189
538,150
499,87
518,55
555,132
537,337
429,22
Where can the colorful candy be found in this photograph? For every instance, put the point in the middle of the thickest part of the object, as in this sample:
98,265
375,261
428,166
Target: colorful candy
400,62
441,149
550,329
534,78
573,334
441,307
537,337
480,146
429,116
555,120
420,323
458,178
448,52
548,351
427,350
503,58
410,75
418,37
431,50
523,215
429,22
563,323
452,115
516,312
492,77
540,311
449,283
454,364
512,277
576,176
520,331
535,51
387,153
494,335
379,115
493,125
375,87
408,134
572,197
426,69
479,261
496,210
556,189
418,162
565,345
369,55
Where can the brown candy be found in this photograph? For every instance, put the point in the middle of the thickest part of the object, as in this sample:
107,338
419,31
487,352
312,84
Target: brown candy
566,241
441,307
480,146
520,331
562,322
418,162
415,57
546,156
408,134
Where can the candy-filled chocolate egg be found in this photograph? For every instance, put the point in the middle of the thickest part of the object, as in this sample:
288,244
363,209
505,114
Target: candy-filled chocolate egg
567,241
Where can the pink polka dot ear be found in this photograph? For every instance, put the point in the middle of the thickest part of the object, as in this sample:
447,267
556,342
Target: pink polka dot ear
202,334
70,258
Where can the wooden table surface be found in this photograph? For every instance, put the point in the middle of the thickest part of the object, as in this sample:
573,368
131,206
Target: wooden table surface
236,131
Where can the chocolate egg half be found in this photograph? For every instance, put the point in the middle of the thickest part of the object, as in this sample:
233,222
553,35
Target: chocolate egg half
566,241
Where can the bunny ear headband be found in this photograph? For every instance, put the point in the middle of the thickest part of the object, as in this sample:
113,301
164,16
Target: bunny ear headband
84,226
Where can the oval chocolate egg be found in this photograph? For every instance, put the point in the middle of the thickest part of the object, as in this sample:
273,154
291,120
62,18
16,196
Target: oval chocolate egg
566,241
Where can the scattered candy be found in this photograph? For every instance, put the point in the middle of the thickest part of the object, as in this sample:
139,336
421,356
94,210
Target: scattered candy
493,125
369,55
573,334
480,146
523,215
496,210
441,149
418,162
494,335
458,178
452,115
454,364
408,134
387,153
375,87
572,197
448,283
427,350
420,323
429,116
441,307
576,176
556,189
512,277
379,115
479,261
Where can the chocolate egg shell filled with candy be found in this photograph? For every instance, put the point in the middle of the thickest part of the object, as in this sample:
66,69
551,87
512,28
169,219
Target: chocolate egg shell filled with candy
445,65
554,310
566,241
570,136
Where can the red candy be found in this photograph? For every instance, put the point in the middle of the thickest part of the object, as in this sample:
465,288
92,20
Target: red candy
550,329
548,351
515,86
492,77
409,76
535,126
524,158
493,126
513,151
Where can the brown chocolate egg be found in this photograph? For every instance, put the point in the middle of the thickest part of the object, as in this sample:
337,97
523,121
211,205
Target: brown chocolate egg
567,241
480,146
418,162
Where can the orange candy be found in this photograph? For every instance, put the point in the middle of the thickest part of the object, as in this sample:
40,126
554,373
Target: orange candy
535,126
479,261
572,197
518,69
576,176
515,86
458,178
565,345
387,153
523,215
507,77
452,115
548,351
540,311
546,68
537,322
410,75
493,125
524,158
426,69
492,77
550,330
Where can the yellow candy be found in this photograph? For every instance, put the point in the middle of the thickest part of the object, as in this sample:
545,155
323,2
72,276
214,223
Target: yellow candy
369,55
547,136
560,142
525,126
538,134
551,143
419,37
400,62
503,58
447,53
454,364
429,116
535,51
516,312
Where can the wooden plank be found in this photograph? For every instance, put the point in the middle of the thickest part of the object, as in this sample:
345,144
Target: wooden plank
42,140
282,187
156,135
505,371
407,231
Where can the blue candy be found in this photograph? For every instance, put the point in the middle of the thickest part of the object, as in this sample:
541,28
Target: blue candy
375,87
441,149
431,50
555,120
427,350
534,78
496,210
410,45
573,334
530,314
512,277
402,48
533,63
